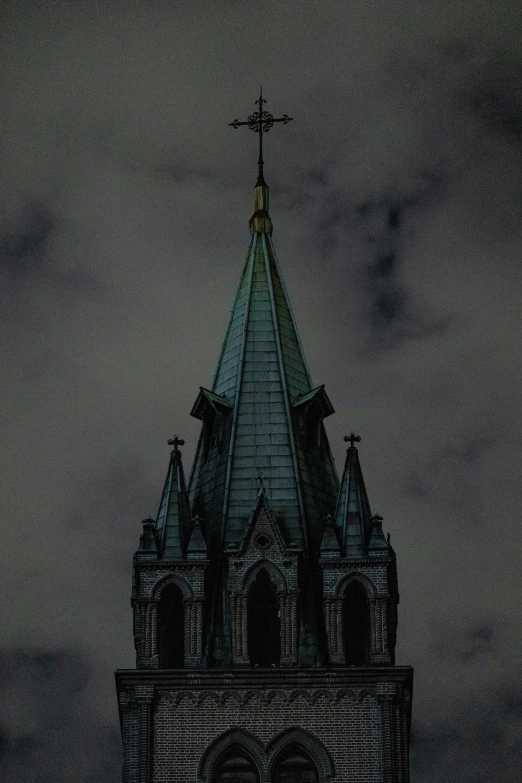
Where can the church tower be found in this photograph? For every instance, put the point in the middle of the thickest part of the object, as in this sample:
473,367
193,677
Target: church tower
265,592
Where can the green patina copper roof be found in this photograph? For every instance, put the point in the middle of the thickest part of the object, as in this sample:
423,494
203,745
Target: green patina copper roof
318,396
353,515
263,372
173,520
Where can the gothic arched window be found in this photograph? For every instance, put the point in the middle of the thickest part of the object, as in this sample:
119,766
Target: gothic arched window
356,623
295,766
264,627
235,766
171,628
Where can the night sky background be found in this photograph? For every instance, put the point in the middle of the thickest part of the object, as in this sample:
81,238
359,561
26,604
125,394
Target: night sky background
396,196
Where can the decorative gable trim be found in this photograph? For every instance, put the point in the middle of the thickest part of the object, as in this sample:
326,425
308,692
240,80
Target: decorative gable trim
317,396
249,539
206,400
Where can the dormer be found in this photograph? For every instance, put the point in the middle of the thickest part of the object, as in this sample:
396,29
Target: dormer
212,409
311,408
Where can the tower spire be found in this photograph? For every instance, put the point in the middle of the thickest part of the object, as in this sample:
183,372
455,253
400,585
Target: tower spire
262,411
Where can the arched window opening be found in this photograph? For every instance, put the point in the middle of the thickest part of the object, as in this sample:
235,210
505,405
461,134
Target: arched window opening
264,627
171,628
295,766
356,621
236,767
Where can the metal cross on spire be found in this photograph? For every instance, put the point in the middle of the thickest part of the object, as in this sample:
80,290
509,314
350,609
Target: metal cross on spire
175,441
353,439
260,122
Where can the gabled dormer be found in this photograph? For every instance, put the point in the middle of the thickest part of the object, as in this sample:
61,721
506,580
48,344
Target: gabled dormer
310,410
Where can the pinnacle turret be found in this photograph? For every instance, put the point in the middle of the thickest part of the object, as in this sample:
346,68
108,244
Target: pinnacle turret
353,514
173,520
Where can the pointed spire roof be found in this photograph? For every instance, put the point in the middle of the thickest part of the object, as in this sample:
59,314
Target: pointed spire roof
262,371
329,542
353,514
196,547
378,543
148,547
173,520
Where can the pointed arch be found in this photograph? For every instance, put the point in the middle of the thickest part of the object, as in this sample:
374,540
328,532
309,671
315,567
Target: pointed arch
180,582
235,738
300,739
263,621
357,633
170,627
344,581
274,572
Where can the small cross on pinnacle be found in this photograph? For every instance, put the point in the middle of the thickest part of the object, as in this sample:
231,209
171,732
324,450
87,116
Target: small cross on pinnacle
353,439
260,122
260,476
175,441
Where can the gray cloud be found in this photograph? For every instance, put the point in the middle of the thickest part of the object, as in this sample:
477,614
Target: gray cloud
50,731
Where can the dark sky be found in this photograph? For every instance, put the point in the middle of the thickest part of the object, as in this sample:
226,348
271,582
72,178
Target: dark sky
396,196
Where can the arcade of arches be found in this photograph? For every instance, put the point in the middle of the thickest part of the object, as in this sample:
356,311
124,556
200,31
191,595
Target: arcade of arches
294,765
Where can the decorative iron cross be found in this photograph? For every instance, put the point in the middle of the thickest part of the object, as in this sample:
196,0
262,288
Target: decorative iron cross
352,438
260,122
175,441
260,476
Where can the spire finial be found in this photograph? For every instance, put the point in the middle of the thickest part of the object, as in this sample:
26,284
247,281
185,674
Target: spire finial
175,441
260,122
353,439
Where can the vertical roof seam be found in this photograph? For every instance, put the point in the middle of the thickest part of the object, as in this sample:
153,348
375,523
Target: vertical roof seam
346,501
167,503
251,262
285,389
229,327
290,310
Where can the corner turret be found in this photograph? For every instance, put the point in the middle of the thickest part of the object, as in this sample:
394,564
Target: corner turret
353,514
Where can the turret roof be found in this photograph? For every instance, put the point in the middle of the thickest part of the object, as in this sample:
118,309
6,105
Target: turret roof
353,514
173,519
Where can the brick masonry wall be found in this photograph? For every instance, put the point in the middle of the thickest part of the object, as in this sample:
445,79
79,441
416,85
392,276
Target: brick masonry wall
349,728
359,715
334,573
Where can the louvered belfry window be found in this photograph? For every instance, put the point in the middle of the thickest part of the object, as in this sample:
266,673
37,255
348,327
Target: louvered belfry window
295,766
236,767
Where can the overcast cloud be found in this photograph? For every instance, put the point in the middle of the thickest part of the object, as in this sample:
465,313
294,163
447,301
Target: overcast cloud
396,196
